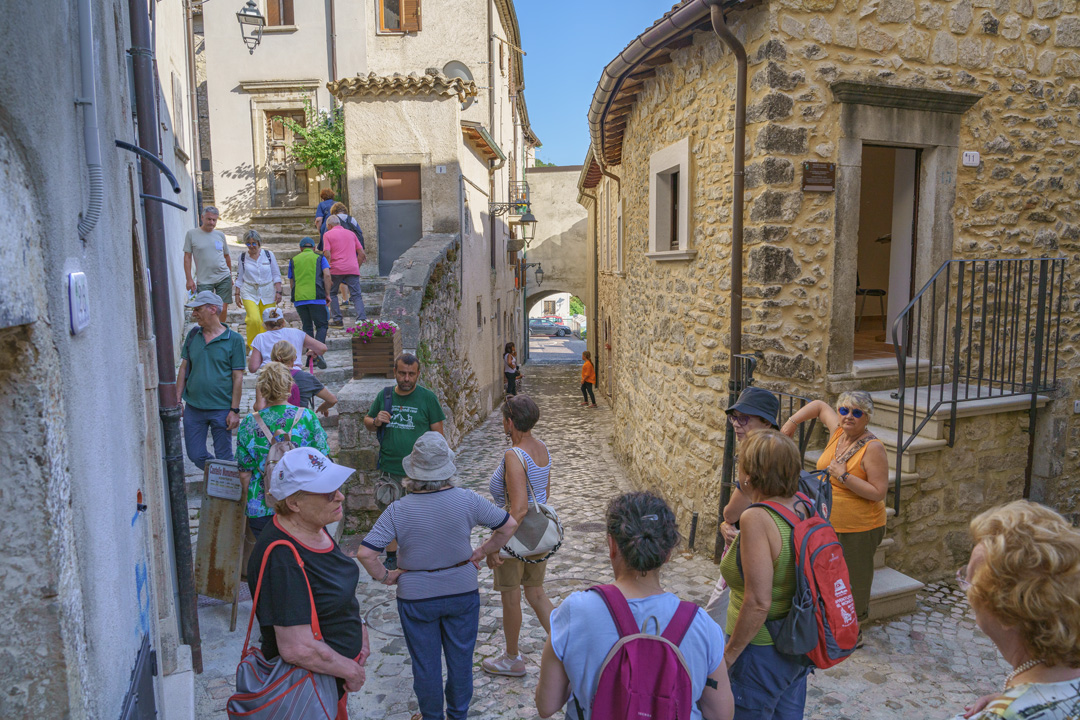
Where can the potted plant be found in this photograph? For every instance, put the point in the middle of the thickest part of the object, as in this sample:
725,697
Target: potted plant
375,344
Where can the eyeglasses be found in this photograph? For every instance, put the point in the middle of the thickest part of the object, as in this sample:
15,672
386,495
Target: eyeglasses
738,419
330,496
855,412
961,579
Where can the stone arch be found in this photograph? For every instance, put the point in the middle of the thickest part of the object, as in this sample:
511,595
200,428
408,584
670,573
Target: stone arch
539,295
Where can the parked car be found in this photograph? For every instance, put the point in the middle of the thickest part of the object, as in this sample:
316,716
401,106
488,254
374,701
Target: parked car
541,326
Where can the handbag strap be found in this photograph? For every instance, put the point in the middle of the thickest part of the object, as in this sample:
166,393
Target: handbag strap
528,485
315,629
850,452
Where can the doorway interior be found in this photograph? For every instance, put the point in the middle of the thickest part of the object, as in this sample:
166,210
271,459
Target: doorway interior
888,216
399,212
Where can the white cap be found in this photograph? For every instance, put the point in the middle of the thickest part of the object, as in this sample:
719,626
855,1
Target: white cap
273,314
309,470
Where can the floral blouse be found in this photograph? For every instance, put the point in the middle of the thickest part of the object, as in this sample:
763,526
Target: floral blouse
252,447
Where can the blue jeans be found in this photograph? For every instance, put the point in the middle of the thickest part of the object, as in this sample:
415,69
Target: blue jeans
196,423
434,627
768,685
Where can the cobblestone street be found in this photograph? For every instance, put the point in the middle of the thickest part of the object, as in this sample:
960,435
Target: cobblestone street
926,665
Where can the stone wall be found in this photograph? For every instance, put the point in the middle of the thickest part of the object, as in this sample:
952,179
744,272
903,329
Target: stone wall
423,295
668,360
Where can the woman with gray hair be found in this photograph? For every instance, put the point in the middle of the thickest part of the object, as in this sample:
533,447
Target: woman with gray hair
438,596
859,472
258,283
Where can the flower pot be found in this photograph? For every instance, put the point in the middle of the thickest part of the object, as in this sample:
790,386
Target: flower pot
376,356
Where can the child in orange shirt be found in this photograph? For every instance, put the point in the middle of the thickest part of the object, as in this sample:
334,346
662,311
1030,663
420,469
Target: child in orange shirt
588,379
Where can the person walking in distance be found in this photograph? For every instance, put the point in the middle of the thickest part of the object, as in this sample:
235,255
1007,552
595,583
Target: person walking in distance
210,380
326,198
510,368
213,266
346,255
588,379
403,413
310,277
258,283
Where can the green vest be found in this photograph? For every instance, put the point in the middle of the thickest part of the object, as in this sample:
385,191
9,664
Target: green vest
307,283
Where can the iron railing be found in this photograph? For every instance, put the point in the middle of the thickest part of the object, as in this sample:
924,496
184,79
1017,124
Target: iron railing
519,193
977,329
742,377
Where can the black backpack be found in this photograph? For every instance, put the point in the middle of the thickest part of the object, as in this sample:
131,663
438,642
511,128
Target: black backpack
817,487
350,224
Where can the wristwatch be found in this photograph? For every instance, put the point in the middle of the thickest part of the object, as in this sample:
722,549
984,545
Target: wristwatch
235,410
843,478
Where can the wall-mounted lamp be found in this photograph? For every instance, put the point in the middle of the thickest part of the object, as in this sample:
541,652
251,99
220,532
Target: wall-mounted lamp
539,274
251,25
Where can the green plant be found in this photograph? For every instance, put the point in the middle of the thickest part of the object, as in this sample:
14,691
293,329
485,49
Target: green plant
320,142
576,306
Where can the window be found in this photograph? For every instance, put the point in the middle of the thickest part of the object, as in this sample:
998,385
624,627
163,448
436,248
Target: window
399,16
669,206
549,307
279,12
479,313
502,61
498,317
178,112
619,238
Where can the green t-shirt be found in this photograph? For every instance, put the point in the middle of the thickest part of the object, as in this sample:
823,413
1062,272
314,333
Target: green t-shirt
411,416
209,383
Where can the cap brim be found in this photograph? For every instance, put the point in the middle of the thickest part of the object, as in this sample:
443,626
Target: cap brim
331,479
443,472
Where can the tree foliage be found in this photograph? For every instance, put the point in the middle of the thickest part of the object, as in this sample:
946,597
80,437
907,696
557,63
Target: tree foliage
576,306
541,163
320,142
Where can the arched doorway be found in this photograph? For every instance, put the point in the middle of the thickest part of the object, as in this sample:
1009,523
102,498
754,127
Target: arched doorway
556,327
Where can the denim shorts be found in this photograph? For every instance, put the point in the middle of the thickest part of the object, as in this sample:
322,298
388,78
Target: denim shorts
769,685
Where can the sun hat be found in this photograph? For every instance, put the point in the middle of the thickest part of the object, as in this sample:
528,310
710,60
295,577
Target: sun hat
273,314
758,402
307,469
307,242
206,297
431,459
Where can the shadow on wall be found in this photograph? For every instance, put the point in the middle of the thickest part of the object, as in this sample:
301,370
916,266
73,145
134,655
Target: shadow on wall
239,204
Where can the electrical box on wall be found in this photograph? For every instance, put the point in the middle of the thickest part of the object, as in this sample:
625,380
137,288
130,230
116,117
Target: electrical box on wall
78,302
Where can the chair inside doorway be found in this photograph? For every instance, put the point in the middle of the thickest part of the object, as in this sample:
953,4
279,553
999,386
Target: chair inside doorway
886,251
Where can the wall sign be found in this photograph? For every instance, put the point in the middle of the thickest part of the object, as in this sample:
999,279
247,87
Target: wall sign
78,302
818,176
223,480
223,540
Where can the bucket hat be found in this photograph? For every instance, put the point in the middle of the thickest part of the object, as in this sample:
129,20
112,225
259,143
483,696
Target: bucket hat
758,402
431,459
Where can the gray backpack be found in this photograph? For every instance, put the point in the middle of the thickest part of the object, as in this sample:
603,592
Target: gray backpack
281,442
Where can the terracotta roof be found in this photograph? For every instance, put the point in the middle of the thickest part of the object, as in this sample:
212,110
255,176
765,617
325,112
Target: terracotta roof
590,173
478,137
430,83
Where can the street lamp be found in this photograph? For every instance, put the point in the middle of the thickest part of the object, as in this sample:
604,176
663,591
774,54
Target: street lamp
251,25
528,227
539,272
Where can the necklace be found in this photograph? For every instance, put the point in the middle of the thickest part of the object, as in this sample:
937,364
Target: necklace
1018,670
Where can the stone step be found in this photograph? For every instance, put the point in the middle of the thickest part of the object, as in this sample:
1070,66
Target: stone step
906,478
887,407
882,550
892,593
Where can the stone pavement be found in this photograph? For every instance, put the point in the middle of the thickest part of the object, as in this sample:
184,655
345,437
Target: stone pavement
926,665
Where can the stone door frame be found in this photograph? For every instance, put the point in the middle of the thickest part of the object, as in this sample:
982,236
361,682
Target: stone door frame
928,120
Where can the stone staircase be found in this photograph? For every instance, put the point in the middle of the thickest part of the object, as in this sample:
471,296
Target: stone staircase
893,592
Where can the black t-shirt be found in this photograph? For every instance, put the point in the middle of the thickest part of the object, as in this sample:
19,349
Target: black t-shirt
284,598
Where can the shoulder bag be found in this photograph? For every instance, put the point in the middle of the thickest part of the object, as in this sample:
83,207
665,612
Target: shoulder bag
273,689
539,532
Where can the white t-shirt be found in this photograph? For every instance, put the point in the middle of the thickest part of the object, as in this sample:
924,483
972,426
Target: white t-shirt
264,343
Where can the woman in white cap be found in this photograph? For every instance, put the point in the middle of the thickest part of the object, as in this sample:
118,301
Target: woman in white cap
276,330
437,592
258,283
306,488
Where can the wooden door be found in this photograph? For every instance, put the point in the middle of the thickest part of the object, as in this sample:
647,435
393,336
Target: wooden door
287,177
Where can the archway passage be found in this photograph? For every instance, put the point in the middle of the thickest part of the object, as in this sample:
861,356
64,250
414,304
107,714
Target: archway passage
557,327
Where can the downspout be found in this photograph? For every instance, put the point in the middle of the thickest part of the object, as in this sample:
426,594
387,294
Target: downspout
193,108
594,326
333,47
723,32
142,57
88,99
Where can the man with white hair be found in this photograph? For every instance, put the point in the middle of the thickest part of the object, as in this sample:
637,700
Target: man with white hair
213,266
210,380
345,253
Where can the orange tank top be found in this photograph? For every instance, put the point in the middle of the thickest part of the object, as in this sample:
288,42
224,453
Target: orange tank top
851,512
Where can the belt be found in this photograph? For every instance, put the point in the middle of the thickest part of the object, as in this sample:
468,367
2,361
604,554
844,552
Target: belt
449,567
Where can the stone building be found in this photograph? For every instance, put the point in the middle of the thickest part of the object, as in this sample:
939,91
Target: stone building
885,141
89,578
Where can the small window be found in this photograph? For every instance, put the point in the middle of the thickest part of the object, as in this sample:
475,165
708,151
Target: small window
502,59
279,12
669,206
549,307
498,317
399,16
479,313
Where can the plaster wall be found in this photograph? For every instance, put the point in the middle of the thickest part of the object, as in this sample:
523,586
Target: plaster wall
559,243
287,54
79,587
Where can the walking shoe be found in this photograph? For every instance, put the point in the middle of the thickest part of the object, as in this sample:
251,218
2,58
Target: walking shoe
593,405
584,403
337,323
505,665
319,362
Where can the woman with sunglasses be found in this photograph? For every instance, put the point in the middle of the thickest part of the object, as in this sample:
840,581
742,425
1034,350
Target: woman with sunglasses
859,471
258,283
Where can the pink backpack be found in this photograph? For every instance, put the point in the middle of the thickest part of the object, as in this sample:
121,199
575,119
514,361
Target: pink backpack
644,676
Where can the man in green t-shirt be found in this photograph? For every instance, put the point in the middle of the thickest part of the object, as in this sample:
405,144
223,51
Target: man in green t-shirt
414,411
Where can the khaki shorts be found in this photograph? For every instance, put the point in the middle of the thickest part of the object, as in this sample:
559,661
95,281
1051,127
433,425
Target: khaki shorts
222,288
513,574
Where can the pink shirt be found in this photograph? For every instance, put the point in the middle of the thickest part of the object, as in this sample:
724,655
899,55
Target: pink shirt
341,245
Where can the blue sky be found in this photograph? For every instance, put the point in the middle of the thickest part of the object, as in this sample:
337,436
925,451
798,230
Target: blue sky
567,44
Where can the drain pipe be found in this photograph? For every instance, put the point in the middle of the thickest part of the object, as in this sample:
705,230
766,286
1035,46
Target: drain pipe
594,326
142,57
88,99
723,32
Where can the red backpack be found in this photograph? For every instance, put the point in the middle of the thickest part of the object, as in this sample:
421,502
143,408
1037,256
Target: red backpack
644,676
822,623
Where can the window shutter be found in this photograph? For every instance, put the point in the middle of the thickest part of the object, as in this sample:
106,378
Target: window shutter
410,15
273,13
287,12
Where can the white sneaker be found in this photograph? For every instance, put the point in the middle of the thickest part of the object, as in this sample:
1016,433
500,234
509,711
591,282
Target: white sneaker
505,665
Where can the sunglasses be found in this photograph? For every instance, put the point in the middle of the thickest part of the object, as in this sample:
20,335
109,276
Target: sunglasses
961,579
330,496
737,419
251,244
855,412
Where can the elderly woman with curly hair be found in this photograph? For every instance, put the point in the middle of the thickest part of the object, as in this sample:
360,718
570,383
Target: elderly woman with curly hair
1023,581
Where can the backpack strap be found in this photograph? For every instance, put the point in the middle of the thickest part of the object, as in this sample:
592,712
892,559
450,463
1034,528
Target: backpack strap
388,406
296,418
619,609
680,622
315,629
263,428
788,516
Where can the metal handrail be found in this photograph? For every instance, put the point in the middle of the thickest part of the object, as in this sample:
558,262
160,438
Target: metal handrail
519,193
994,324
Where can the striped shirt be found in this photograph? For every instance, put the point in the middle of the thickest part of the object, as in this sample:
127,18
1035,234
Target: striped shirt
538,478
433,531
